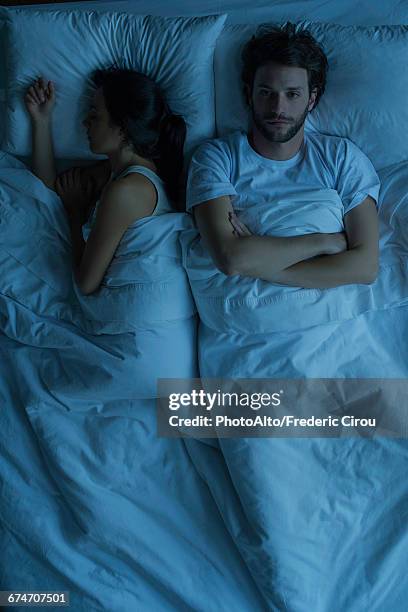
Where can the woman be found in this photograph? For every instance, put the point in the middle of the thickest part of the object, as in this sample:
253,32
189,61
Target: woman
115,506
128,121
126,253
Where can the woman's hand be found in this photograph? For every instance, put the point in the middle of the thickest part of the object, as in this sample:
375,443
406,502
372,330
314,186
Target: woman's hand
76,195
40,99
239,229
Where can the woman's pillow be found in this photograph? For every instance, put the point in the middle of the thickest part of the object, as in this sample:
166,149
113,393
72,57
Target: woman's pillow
66,46
367,86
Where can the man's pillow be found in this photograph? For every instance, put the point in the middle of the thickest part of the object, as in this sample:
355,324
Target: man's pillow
366,97
66,46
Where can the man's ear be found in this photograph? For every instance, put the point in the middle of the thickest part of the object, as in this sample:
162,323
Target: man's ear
312,99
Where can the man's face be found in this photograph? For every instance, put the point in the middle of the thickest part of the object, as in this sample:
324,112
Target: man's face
280,93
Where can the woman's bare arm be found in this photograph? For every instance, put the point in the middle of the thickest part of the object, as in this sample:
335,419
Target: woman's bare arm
115,213
43,162
40,101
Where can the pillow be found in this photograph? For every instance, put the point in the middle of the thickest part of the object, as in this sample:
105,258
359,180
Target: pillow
366,93
65,46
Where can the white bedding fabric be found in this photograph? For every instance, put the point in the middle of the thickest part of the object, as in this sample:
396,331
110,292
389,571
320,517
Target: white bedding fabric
92,501
176,52
293,526
346,12
320,522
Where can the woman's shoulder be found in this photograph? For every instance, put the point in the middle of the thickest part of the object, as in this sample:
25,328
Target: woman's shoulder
132,197
141,185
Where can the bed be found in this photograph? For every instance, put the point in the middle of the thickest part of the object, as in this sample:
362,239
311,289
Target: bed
93,502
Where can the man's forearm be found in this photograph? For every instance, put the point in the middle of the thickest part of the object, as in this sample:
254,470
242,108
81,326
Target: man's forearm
346,268
43,163
265,256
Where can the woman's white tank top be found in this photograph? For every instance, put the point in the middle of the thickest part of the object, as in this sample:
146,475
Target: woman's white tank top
163,204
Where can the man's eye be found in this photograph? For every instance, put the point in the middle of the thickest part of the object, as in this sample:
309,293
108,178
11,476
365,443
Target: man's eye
263,92
293,94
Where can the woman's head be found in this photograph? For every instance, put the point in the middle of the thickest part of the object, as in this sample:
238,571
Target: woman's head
128,110
103,135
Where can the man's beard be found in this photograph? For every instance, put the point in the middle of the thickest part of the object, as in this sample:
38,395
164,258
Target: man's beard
278,135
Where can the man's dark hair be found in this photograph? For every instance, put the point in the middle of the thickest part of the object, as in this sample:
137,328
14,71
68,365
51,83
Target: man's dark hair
289,47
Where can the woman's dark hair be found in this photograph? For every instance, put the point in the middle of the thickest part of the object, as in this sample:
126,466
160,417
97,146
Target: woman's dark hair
289,47
135,103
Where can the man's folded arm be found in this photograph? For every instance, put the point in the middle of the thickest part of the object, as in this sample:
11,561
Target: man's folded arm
255,256
359,264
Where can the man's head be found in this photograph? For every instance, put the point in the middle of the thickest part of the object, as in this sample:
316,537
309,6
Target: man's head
284,76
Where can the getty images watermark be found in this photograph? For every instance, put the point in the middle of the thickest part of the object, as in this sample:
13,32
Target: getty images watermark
207,408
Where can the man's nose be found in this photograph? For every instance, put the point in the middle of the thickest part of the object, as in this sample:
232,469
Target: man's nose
277,104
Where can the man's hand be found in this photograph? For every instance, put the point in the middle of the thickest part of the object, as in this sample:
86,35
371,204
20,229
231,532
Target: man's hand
330,259
77,195
239,228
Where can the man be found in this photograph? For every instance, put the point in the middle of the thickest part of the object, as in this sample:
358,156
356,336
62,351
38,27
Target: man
284,75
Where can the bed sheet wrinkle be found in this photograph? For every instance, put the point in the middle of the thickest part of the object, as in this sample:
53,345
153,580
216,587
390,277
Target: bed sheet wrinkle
319,519
122,519
246,305
367,576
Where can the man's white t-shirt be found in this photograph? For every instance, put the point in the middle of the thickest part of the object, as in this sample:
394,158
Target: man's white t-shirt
324,164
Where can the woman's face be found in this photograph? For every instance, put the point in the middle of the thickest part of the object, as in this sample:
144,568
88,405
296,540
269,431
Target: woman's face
102,138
